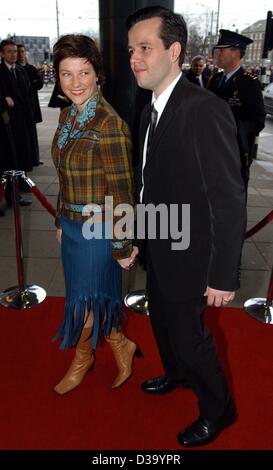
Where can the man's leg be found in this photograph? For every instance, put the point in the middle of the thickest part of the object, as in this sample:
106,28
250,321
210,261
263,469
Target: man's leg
194,346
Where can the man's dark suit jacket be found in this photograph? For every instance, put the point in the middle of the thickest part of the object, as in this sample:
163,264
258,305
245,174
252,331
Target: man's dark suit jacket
193,78
194,159
21,115
36,82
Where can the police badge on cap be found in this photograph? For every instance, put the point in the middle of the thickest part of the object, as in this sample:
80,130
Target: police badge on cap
231,39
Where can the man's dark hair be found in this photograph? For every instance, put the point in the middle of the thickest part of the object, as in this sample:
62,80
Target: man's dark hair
6,42
21,46
197,58
173,29
78,45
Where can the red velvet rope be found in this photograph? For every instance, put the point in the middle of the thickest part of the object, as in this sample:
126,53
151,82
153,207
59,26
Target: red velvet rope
266,220
43,200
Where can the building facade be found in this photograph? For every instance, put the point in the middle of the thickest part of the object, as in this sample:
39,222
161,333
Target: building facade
254,51
37,47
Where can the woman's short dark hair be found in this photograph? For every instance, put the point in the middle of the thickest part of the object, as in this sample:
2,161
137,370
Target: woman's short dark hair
173,28
78,45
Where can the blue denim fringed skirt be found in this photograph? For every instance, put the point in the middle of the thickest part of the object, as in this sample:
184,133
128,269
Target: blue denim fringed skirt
92,281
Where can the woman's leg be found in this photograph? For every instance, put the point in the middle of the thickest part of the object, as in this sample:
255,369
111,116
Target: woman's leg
124,351
83,360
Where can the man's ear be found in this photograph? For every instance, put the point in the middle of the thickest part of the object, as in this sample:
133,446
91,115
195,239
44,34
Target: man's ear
175,51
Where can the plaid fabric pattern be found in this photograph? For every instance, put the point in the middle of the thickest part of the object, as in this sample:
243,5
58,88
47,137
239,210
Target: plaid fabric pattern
94,163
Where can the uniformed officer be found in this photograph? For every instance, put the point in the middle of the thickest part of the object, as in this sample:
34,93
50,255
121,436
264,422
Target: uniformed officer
242,92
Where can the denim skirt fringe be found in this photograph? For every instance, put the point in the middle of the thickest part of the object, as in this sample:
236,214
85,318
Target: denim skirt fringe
92,281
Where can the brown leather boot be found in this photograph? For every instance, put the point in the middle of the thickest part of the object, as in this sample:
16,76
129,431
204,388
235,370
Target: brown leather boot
124,351
83,360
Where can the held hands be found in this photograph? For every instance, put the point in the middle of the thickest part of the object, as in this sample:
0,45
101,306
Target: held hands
218,298
128,263
9,101
59,235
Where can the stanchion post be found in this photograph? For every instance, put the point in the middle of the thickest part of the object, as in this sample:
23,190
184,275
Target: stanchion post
17,223
21,296
262,309
3,184
137,301
270,289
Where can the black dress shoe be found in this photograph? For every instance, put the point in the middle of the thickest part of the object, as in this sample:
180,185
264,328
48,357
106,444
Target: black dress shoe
2,213
203,431
162,384
41,162
25,202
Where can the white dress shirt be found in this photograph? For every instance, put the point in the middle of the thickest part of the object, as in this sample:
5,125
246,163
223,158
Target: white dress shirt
159,103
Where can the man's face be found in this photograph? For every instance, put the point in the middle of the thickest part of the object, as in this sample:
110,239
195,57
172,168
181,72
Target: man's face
152,64
21,55
9,54
226,57
197,67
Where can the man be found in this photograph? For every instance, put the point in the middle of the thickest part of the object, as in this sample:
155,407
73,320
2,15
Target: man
58,98
15,90
242,92
8,153
195,74
192,159
36,82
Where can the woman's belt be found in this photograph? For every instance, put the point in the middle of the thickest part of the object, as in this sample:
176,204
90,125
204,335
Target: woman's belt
90,208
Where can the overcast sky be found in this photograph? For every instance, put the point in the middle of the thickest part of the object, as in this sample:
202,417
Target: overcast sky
233,14
38,17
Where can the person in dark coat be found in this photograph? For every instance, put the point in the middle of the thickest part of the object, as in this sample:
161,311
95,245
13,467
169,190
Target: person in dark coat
242,91
16,90
8,159
16,86
35,79
5,156
191,164
196,73
36,82
58,98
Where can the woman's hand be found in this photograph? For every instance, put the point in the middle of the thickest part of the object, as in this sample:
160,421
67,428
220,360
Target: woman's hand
9,101
59,235
128,263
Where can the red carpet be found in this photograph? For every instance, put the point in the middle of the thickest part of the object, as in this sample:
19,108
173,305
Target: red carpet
93,416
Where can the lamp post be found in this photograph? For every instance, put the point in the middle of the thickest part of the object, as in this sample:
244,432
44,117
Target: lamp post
217,22
57,20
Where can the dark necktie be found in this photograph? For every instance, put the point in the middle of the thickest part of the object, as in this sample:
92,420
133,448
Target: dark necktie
222,83
12,71
153,120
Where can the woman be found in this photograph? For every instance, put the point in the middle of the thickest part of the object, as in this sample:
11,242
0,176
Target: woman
92,154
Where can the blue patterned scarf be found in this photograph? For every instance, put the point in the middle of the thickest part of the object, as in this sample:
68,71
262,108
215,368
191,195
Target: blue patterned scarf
86,115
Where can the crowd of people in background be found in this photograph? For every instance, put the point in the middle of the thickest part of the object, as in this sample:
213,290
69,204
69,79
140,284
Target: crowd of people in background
24,93
48,74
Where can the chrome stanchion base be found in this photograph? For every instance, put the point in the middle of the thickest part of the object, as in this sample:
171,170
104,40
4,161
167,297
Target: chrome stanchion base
137,301
260,309
22,299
